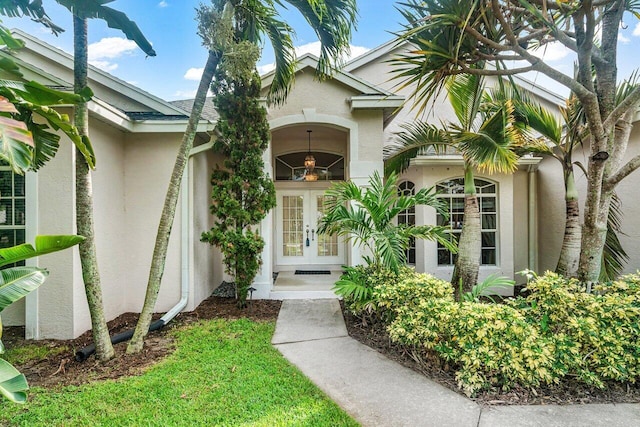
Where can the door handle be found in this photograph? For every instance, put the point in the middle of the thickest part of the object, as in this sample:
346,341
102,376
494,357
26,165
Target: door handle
312,234
307,241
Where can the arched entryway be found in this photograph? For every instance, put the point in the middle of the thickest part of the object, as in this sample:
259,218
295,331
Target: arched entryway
300,195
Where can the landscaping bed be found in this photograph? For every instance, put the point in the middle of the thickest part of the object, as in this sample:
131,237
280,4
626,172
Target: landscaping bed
59,367
559,345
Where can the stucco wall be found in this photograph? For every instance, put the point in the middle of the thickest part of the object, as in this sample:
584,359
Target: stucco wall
56,215
148,163
206,260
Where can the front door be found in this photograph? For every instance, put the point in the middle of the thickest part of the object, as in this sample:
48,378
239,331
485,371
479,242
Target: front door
298,243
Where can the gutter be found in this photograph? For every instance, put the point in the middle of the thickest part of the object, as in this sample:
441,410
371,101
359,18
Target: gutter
187,239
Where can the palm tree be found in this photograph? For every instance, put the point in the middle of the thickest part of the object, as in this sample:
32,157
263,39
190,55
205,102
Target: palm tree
487,140
562,137
83,10
368,217
221,25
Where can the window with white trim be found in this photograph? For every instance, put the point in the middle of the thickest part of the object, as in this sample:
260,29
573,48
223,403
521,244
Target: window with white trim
408,217
12,208
452,194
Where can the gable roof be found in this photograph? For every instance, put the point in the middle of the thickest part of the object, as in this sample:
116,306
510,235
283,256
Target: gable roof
309,60
388,47
150,118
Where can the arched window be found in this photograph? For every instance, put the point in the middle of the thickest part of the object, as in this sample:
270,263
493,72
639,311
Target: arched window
408,216
452,193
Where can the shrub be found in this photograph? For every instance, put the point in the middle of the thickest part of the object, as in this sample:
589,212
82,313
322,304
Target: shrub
357,283
558,330
596,334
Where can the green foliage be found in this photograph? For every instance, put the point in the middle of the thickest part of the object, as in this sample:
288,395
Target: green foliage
494,281
357,283
368,217
558,330
15,283
222,373
242,193
25,144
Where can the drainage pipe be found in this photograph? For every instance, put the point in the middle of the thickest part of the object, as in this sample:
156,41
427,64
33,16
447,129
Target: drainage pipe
84,353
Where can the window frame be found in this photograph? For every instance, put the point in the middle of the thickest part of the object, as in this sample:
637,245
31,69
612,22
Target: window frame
481,186
403,218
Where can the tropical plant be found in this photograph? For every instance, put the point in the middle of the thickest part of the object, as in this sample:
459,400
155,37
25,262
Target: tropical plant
242,192
491,283
561,138
486,139
450,37
82,11
15,283
368,218
26,144
220,26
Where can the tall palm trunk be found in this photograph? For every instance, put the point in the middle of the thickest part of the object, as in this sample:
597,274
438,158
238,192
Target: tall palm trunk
465,272
84,203
570,252
170,203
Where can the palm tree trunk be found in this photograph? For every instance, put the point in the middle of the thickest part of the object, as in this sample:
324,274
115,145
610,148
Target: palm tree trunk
570,252
84,203
465,272
170,203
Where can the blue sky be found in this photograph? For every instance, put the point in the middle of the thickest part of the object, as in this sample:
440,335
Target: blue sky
170,26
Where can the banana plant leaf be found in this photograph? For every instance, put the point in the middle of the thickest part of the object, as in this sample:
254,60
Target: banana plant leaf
43,245
17,282
13,384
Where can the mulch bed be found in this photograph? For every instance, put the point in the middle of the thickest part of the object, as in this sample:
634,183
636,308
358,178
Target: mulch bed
65,370
374,335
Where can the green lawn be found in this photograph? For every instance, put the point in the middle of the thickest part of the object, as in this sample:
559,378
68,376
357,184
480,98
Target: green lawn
222,373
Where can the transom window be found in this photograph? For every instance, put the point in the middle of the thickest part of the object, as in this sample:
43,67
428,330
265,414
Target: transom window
408,217
329,166
12,208
452,194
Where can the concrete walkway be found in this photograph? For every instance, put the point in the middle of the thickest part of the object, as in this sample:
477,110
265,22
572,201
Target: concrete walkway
377,391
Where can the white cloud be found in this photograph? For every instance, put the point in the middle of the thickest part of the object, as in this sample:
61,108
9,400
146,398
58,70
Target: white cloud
551,51
636,30
185,94
622,39
314,49
193,74
111,48
104,65
163,4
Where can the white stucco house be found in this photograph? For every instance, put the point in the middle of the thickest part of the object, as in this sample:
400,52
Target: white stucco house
351,116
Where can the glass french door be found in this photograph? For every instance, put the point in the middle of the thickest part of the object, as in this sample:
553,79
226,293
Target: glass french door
298,242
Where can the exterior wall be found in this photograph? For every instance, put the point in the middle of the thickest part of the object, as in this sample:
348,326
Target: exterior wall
56,215
110,219
148,163
206,261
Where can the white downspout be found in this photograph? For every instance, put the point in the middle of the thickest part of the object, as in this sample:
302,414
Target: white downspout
187,240
533,218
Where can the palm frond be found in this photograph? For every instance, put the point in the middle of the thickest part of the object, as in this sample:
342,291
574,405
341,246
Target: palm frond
415,139
96,9
614,257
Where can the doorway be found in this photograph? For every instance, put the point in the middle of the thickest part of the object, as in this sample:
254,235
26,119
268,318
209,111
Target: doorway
298,245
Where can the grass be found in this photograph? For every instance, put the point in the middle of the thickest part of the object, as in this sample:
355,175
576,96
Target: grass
29,352
222,373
